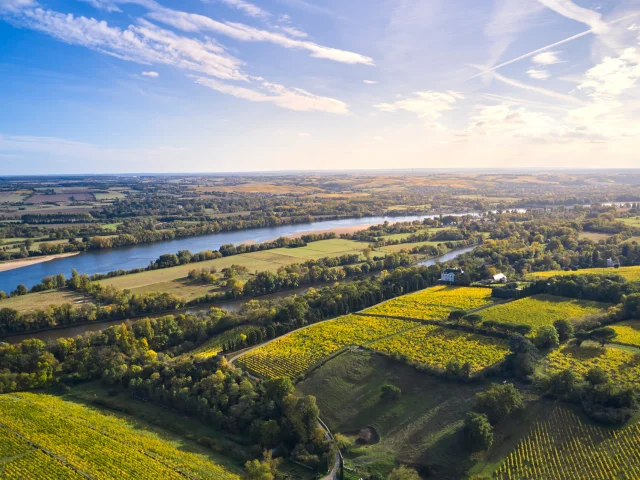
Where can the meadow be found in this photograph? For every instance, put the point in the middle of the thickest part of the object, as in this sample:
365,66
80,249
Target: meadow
436,346
622,366
627,333
41,300
47,437
632,274
434,303
563,446
408,246
173,279
295,353
541,310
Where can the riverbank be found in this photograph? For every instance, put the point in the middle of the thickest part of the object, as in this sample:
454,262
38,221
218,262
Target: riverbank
25,262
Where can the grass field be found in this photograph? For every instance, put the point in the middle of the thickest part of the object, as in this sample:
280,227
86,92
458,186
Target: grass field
631,222
402,236
164,279
423,428
630,273
595,236
88,443
41,300
563,446
436,346
622,366
408,246
294,354
434,303
111,226
628,332
541,310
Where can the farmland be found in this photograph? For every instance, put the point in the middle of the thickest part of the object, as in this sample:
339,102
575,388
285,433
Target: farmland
436,346
562,446
434,303
632,274
295,353
541,310
214,346
173,279
46,437
622,366
628,332
41,300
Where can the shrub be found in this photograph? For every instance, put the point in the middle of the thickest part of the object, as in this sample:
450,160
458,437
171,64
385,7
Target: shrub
547,337
499,401
478,432
390,392
564,328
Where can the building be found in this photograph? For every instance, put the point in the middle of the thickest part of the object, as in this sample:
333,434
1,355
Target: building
610,262
500,278
449,275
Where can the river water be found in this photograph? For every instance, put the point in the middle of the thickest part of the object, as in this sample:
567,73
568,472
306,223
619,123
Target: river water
137,256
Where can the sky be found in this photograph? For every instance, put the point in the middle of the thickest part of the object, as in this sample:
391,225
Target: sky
168,86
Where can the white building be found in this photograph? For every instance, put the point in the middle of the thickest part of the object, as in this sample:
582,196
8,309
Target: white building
609,262
449,275
500,278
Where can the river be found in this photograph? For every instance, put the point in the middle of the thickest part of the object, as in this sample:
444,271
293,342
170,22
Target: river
232,306
138,256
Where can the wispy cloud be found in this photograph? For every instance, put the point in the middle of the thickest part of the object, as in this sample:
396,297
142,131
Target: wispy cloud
248,8
369,82
430,105
151,74
538,74
290,98
532,88
570,10
546,58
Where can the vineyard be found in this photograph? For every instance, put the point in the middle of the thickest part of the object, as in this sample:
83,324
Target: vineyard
45,437
293,354
628,332
435,346
563,447
632,274
541,310
622,366
434,303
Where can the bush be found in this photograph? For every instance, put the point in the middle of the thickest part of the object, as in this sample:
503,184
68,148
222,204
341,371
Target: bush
499,401
547,337
478,432
564,328
403,473
390,392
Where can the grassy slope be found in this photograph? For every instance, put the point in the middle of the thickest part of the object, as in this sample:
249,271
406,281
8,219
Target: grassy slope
40,300
630,273
254,261
422,428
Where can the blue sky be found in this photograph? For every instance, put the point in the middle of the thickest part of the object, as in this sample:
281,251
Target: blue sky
107,86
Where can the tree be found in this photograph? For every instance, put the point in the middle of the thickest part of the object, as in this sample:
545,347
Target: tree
342,442
603,335
596,376
267,469
390,392
403,473
547,337
278,388
478,432
499,401
563,383
21,290
473,319
457,315
564,328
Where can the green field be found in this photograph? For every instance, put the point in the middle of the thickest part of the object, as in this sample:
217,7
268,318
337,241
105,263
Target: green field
41,300
44,436
630,273
628,333
595,236
630,222
422,429
111,226
541,310
164,279
402,236
408,246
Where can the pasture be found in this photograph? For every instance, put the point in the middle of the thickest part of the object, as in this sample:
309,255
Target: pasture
167,279
541,310
44,436
41,300
423,428
632,273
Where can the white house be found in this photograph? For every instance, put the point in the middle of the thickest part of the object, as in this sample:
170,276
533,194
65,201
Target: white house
609,262
500,278
449,275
